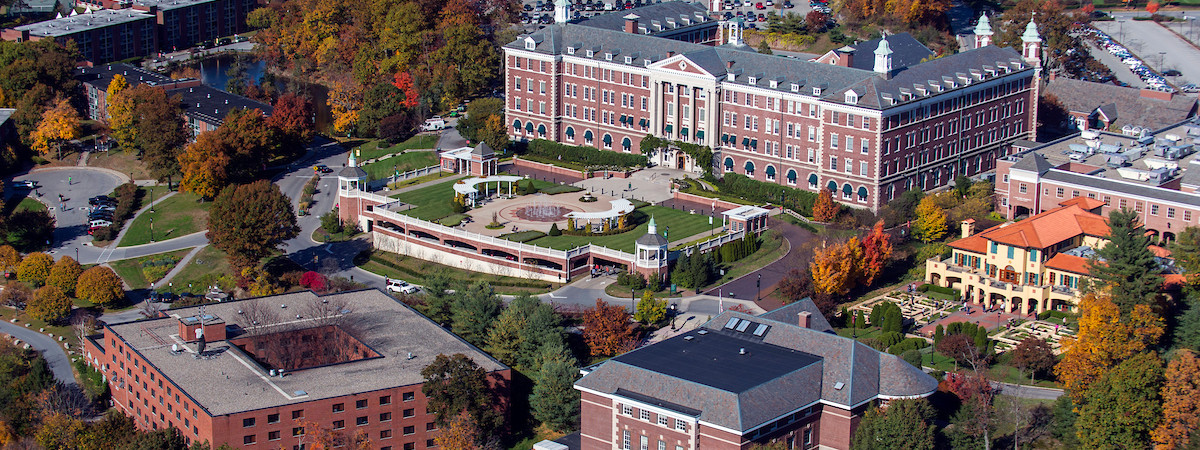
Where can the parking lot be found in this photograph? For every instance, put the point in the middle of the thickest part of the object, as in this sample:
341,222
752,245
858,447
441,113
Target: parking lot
1157,47
535,12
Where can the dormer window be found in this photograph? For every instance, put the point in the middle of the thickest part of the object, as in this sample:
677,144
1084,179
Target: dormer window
646,62
774,84
851,98
753,80
591,53
529,44
628,60
570,50
795,87
816,91
608,56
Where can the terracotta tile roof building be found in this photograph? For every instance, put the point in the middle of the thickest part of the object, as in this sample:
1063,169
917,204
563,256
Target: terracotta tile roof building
252,373
869,134
739,380
1029,266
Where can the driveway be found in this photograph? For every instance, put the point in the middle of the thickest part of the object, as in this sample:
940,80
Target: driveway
52,350
749,286
70,214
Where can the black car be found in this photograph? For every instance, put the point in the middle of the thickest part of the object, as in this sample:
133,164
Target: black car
1171,73
528,7
100,199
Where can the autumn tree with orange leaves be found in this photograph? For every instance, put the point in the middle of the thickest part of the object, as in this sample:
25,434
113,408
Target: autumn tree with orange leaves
59,124
824,208
317,437
834,267
1104,341
1181,403
460,434
607,329
877,249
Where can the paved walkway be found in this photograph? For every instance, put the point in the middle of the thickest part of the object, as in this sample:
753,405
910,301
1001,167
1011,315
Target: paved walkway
1033,392
128,224
748,286
52,350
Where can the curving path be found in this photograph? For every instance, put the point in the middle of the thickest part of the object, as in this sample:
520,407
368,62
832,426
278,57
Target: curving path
52,350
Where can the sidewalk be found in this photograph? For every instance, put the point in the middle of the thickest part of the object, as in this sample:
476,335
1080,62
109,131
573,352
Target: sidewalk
117,241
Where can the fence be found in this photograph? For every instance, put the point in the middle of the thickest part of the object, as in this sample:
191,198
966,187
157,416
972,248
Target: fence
712,244
380,184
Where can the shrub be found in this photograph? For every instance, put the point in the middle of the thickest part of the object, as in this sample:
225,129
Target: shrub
331,221
554,231
741,248
586,156
314,281
907,345
757,191
890,338
912,357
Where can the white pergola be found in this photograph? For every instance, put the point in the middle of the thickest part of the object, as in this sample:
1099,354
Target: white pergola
467,187
619,207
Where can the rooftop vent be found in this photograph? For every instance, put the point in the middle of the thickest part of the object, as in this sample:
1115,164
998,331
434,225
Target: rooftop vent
688,338
742,351
702,332
838,386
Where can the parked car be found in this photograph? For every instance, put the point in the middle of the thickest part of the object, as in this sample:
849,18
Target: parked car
99,223
321,168
100,199
436,123
25,184
1172,73
788,5
759,5
402,286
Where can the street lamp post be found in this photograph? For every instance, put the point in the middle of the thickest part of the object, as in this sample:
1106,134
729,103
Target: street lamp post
1121,24
76,254
758,284
1161,55
632,301
151,228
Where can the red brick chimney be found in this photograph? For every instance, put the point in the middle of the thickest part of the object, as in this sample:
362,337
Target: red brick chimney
631,23
729,64
1156,94
845,59
805,319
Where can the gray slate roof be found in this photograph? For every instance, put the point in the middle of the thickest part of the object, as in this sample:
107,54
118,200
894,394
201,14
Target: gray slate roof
652,240
483,150
835,81
352,172
790,313
5,114
774,378
82,22
906,51
211,104
654,13
1127,104
1033,162
100,76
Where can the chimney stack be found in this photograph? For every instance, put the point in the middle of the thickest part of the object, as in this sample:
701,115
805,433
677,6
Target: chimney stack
968,227
805,319
729,64
670,54
631,23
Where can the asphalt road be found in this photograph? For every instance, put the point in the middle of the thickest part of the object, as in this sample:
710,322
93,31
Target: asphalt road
1027,391
1158,47
749,286
71,214
51,350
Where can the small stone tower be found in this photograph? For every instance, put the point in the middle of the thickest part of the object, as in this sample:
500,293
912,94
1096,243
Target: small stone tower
1031,44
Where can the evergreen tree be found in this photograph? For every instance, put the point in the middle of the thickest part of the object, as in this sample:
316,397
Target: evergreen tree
682,275
1123,406
437,301
904,424
475,311
1125,265
1187,326
554,400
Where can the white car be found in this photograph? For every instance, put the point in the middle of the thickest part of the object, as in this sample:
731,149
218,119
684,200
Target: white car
402,286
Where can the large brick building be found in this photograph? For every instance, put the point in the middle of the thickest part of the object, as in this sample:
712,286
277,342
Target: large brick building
100,36
741,380
1157,175
268,369
868,134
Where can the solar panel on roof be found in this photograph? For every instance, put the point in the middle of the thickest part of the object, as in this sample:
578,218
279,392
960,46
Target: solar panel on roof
742,326
762,329
732,323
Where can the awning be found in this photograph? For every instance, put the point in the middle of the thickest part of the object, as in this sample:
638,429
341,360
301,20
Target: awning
683,131
846,189
754,143
624,118
587,135
644,123
626,143
607,139
749,166
812,178
832,185
745,142
668,128
791,176
571,132
770,171
728,163
700,134
724,138
541,129
862,192
529,127
516,124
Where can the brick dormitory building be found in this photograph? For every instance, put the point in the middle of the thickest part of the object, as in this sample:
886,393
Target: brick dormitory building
269,367
868,130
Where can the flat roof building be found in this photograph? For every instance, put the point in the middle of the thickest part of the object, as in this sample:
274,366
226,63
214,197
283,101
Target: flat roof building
101,36
251,373
741,380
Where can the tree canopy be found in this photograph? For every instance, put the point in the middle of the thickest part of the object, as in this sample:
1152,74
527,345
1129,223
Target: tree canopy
1125,267
906,424
250,221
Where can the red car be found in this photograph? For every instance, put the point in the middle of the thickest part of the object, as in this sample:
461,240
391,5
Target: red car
759,5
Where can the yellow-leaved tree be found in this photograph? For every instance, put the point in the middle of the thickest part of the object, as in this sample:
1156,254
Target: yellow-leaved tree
59,124
832,269
1104,340
931,220
121,122
824,208
204,165
1181,402
10,258
100,285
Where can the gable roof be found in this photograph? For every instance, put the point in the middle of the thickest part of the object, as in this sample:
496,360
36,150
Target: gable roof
906,51
790,313
1043,230
1121,105
212,105
1069,263
653,18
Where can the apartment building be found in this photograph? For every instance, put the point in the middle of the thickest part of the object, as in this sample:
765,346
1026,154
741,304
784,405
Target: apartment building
263,372
101,36
869,135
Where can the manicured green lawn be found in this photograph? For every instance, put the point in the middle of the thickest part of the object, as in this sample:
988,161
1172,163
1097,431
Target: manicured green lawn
30,204
209,266
137,271
375,149
433,202
403,163
179,215
678,225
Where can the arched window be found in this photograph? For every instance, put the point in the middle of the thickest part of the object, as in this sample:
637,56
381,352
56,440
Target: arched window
749,168
812,181
528,127
770,172
791,177
571,133
517,125
832,186
587,137
607,140
862,193
542,130
728,164
626,144
847,191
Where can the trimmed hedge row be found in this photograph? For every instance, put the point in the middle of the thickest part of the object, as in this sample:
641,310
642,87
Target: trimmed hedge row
586,156
938,289
762,192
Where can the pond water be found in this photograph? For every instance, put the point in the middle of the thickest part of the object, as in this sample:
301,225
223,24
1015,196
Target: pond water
215,72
